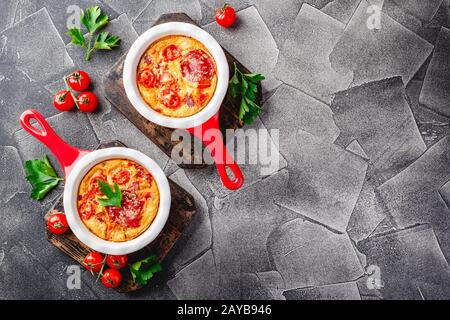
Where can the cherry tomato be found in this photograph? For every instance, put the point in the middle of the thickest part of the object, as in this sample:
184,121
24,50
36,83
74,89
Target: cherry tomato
121,176
111,278
57,223
93,261
117,262
63,100
201,99
171,52
226,16
147,78
86,210
78,80
203,84
143,175
170,98
93,184
87,101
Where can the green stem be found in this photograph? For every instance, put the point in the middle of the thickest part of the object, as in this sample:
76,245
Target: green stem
89,50
71,93
101,270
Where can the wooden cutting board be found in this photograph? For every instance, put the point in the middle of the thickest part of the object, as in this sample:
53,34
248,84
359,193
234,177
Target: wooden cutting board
182,211
161,136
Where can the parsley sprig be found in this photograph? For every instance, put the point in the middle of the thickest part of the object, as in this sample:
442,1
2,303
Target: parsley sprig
93,19
245,86
142,271
41,176
112,198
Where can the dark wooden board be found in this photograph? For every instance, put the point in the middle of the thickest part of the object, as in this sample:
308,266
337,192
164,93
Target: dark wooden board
182,211
161,136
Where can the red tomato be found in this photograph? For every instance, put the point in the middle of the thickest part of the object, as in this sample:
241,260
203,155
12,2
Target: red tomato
117,262
87,101
79,80
147,78
57,223
111,278
226,16
203,84
170,98
143,175
63,100
121,176
93,184
171,52
86,210
93,261
201,99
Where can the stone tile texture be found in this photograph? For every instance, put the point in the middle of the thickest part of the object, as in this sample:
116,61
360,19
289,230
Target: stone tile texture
435,91
356,202
377,53
309,69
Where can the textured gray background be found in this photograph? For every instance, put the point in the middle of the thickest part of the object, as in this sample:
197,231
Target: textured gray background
363,183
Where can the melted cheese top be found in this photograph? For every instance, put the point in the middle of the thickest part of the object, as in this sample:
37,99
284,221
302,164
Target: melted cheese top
181,64
140,200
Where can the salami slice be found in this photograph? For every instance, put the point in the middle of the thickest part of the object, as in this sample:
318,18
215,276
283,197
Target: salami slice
129,215
197,65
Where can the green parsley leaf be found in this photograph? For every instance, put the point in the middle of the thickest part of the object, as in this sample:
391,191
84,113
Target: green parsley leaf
250,95
245,86
105,41
253,111
77,37
93,19
242,109
235,78
142,271
254,77
41,176
112,198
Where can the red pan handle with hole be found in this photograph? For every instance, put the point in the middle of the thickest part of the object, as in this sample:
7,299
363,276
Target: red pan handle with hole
65,153
211,136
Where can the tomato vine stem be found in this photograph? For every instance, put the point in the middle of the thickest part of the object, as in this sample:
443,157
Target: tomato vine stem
70,91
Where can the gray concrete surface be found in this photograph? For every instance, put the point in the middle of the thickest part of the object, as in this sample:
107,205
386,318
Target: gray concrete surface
358,207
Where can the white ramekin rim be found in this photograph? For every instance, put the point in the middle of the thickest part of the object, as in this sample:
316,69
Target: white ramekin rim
70,197
140,46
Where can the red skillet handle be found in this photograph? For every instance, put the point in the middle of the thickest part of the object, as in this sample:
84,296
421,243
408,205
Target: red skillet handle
66,154
211,136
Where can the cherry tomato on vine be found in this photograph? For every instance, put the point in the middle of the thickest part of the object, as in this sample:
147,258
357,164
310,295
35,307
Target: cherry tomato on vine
78,80
63,100
111,278
93,261
117,262
87,101
57,223
226,16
